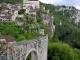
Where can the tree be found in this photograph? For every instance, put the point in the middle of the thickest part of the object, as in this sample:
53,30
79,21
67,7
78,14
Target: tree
61,51
26,16
75,36
21,11
11,1
8,31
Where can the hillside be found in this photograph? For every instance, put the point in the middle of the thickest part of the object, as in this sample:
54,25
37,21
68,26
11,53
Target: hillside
66,20
67,24
11,1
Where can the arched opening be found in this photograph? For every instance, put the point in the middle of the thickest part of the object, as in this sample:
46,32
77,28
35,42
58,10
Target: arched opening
28,57
32,56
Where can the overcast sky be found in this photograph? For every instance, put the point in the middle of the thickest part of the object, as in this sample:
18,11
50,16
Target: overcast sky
75,3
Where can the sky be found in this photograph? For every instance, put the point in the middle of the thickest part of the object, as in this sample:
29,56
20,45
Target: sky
75,3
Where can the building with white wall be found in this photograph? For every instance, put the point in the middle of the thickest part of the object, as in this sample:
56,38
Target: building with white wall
30,5
27,3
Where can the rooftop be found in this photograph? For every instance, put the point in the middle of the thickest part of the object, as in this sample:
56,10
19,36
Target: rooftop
8,38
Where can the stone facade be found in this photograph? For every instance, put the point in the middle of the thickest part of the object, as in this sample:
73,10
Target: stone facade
30,6
27,3
9,12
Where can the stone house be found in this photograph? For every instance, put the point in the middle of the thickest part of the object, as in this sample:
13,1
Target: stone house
5,9
4,16
9,12
15,14
30,6
32,11
34,3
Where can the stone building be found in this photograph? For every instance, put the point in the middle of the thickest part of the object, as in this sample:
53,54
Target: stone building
27,3
30,6
9,12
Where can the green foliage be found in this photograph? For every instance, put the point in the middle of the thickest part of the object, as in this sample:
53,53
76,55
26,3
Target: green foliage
30,21
38,15
66,27
11,1
62,51
18,32
21,11
29,57
75,36
21,37
26,16
48,6
67,32
0,7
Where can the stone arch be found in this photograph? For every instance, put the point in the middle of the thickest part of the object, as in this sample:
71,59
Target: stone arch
37,48
34,55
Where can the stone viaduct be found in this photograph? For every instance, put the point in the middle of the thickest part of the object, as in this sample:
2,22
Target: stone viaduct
20,50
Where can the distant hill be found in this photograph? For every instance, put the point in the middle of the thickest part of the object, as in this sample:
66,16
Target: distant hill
11,1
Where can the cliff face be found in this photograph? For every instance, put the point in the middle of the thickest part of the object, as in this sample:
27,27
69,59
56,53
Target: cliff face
48,20
72,13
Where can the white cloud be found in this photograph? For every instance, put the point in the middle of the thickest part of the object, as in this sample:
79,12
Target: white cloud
77,7
74,3
46,1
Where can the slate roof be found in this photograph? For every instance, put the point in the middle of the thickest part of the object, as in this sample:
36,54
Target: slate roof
8,38
1,37
7,17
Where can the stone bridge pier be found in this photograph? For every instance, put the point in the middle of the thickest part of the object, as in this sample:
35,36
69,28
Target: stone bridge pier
20,50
